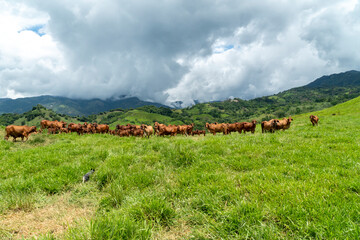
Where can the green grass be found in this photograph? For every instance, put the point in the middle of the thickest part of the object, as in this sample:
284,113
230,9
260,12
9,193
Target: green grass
302,183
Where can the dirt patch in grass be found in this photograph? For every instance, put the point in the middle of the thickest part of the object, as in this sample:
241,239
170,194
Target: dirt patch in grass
54,218
180,231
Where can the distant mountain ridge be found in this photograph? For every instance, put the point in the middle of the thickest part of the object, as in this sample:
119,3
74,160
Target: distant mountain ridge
345,79
72,107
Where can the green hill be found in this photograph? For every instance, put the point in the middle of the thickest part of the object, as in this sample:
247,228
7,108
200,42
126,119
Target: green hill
302,183
34,117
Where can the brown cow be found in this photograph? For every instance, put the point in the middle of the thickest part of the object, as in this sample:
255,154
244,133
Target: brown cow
52,130
235,127
217,127
248,126
19,131
190,128
76,127
57,124
88,128
284,123
157,127
101,128
232,127
63,130
137,132
198,132
148,130
182,129
45,124
123,133
314,120
167,130
269,125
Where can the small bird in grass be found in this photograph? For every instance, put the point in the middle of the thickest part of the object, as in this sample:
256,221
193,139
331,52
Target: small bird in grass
86,177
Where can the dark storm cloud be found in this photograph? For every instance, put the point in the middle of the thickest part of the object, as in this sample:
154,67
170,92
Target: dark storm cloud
183,50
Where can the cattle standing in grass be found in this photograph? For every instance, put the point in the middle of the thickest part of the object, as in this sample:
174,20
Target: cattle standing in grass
19,131
217,127
63,130
52,130
284,123
233,127
248,126
101,128
314,120
123,133
148,130
76,127
182,129
44,124
57,124
198,132
157,126
163,130
137,132
269,125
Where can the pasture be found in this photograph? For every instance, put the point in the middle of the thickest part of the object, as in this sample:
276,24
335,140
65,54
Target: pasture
302,183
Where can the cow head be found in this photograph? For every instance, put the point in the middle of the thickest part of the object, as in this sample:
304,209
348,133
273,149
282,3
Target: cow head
275,122
32,129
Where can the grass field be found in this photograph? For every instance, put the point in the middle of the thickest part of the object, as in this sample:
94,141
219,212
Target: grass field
302,183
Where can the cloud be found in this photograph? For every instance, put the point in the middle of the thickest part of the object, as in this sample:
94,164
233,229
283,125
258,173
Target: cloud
168,51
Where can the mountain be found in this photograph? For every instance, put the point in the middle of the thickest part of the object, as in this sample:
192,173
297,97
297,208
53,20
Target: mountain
346,79
72,107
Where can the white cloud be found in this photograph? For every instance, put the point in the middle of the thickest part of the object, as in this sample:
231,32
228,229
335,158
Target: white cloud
167,51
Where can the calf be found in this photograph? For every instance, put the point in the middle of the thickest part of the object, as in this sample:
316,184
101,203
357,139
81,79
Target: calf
198,132
314,120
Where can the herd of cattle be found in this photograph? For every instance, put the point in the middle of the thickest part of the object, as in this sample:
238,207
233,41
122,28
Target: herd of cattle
54,127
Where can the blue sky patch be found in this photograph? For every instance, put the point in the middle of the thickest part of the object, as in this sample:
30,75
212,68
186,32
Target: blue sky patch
228,47
36,29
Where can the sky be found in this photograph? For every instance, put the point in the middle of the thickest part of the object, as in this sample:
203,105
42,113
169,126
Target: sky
179,50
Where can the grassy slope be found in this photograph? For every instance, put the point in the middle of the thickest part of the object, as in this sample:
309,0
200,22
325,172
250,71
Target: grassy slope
301,183
134,117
